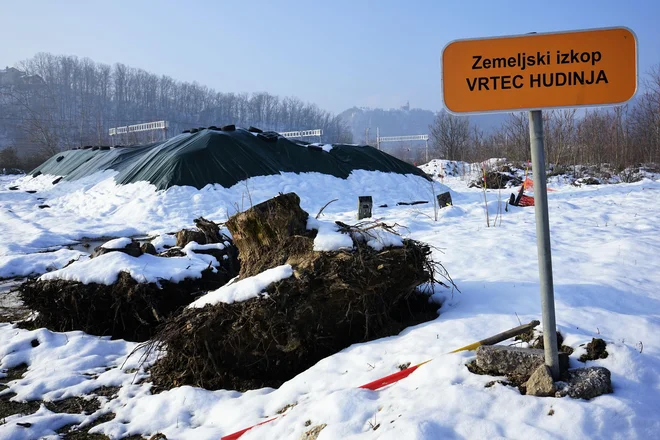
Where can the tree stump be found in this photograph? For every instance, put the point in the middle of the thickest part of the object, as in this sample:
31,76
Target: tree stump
265,234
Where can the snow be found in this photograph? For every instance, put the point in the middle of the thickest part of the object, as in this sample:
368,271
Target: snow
328,237
117,243
605,247
247,288
163,242
95,206
21,265
325,147
194,246
379,239
146,268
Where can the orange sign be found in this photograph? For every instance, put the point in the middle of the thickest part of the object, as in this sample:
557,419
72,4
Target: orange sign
567,69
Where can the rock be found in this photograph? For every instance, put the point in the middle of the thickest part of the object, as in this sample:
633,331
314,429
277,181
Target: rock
210,229
516,363
172,252
207,232
132,249
148,248
540,384
185,236
313,433
587,383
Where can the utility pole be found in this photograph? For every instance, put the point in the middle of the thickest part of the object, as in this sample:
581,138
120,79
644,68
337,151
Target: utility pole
543,243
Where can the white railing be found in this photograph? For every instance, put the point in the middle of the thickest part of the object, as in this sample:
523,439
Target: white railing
302,133
415,137
147,126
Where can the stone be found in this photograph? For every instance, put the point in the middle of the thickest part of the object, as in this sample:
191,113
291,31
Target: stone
540,383
148,248
514,362
313,433
132,249
587,383
172,252
185,236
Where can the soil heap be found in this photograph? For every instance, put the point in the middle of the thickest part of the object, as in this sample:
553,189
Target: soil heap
334,299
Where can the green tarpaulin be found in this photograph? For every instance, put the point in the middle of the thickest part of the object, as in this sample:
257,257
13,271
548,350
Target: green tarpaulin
220,157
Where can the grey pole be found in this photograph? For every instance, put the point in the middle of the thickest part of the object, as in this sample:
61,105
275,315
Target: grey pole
543,243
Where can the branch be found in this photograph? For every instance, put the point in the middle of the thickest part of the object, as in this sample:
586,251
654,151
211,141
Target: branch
325,206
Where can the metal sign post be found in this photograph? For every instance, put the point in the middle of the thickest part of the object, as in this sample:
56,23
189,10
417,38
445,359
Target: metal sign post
543,243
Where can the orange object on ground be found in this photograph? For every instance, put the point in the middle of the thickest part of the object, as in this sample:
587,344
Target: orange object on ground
526,201
238,434
528,184
376,384
388,380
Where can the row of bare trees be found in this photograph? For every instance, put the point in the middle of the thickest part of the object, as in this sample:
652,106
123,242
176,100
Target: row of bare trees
621,136
63,101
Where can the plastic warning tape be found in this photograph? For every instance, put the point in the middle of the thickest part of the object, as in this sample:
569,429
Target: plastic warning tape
375,385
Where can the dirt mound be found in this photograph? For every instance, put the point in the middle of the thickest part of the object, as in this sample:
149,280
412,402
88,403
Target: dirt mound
496,180
333,300
126,309
596,349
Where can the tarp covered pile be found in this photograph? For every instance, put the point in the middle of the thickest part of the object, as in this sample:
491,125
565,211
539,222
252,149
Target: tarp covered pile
225,157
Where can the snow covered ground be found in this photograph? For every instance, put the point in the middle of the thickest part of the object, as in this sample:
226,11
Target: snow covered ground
605,244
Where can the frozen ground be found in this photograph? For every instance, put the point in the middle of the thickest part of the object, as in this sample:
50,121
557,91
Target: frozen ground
605,243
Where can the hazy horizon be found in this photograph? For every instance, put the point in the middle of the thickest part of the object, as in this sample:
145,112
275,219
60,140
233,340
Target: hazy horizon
337,55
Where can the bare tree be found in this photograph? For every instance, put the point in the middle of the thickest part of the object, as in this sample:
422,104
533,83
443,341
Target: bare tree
515,131
75,102
450,136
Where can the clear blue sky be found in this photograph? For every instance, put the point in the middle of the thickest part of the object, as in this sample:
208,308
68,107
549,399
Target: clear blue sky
335,53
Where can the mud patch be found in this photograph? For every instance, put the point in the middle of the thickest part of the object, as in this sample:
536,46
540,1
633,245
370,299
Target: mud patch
596,349
74,405
12,308
71,432
10,408
109,392
14,373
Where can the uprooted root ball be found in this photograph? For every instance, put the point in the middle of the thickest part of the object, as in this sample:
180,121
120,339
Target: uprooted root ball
124,310
333,300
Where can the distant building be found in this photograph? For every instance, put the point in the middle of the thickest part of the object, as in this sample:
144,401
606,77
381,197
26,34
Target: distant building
11,76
